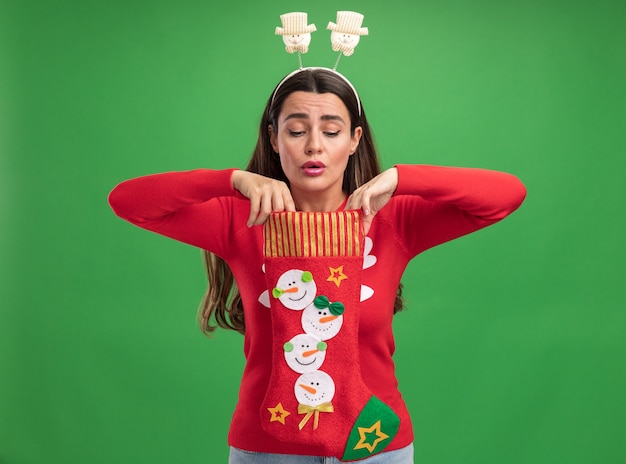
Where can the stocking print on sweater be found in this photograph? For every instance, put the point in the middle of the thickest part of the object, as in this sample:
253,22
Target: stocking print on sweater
316,396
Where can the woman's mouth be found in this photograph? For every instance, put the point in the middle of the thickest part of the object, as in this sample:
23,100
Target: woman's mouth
313,168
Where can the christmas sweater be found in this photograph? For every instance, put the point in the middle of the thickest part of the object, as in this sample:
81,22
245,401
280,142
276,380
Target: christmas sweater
431,205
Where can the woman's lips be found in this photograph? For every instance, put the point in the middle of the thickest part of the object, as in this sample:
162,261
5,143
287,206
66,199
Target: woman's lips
313,168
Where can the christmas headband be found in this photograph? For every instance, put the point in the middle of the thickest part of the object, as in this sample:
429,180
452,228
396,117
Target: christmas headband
345,36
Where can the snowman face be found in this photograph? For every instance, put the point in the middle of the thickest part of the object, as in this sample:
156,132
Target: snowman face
321,322
295,289
314,388
349,40
305,353
297,39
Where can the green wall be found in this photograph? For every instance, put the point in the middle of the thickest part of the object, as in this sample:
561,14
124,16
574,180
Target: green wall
512,350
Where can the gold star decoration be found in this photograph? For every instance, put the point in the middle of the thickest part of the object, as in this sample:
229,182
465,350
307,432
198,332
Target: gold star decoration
336,275
364,442
278,414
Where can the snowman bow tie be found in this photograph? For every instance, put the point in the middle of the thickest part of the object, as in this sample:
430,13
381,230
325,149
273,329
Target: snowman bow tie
322,302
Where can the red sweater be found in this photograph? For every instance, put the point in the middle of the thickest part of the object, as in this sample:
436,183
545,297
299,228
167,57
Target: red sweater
431,205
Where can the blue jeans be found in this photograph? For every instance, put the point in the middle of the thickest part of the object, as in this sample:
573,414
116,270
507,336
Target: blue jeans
237,456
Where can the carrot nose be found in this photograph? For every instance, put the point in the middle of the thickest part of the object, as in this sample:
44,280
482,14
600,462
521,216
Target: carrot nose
311,390
291,290
306,354
327,319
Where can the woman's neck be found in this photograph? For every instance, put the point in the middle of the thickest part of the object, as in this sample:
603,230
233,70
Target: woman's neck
318,202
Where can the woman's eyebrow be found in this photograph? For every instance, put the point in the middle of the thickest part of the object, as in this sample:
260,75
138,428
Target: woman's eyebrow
296,116
325,117
332,117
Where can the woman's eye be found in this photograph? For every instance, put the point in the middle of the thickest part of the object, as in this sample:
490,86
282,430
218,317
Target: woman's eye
332,134
296,133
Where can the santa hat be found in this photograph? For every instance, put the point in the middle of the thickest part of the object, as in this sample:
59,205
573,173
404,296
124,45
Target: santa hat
294,24
348,22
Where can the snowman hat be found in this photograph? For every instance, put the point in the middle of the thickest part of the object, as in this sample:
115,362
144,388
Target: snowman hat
348,22
295,23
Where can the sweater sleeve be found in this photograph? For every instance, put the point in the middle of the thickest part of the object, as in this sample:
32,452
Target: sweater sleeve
187,206
438,203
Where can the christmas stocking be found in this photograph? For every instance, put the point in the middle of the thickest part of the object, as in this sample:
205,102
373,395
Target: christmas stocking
316,396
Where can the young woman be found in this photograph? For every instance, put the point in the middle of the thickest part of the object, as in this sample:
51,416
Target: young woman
314,153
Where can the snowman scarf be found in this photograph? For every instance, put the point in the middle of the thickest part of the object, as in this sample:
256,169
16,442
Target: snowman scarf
316,396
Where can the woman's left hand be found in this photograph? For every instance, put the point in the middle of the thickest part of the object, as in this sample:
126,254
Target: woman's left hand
374,195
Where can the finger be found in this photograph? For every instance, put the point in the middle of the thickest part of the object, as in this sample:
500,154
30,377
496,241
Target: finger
367,223
278,204
266,209
354,200
350,202
365,203
254,211
290,205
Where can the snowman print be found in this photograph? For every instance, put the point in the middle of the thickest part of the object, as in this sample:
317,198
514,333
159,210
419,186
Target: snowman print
321,322
295,289
314,388
305,353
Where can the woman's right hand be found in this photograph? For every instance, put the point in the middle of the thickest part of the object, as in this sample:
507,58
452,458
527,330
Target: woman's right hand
266,195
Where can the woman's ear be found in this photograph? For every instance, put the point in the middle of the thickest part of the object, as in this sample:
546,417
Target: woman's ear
272,133
356,138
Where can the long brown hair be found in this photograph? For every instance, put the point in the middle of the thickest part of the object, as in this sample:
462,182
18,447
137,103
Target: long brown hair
222,302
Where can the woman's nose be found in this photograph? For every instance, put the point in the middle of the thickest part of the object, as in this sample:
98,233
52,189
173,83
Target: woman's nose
314,144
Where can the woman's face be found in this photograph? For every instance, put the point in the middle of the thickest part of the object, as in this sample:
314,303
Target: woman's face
314,144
